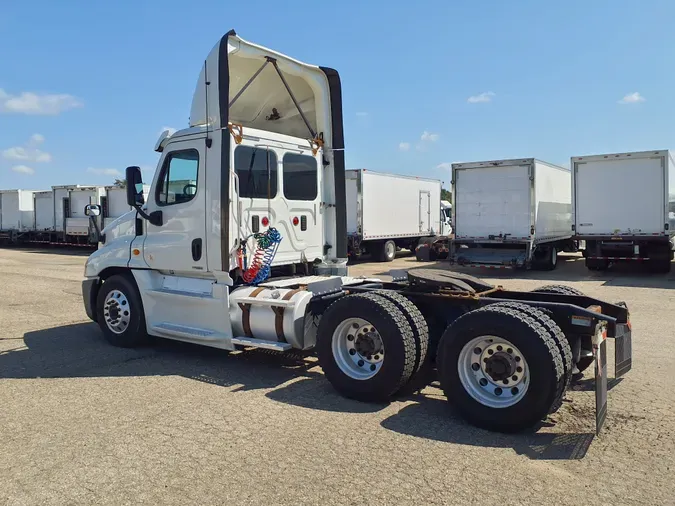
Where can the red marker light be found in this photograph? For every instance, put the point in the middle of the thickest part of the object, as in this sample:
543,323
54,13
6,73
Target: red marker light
265,221
296,221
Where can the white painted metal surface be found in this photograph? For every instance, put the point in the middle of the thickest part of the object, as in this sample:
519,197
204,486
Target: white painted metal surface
512,200
44,211
116,204
77,223
16,210
624,194
387,206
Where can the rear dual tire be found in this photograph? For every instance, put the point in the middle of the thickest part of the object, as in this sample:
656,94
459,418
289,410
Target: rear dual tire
473,383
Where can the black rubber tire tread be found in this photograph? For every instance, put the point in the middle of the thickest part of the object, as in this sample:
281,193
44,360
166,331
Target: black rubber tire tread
561,289
136,334
399,345
542,355
541,316
418,324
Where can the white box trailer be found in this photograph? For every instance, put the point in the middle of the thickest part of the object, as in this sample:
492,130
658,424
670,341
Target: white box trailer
16,212
43,203
114,203
388,211
69,203
511,213
624,207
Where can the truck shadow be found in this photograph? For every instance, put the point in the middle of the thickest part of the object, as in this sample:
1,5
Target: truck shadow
433,419
79,351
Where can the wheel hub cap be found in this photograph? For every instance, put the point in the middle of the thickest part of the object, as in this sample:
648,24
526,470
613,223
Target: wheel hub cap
358,348
116,311
500,366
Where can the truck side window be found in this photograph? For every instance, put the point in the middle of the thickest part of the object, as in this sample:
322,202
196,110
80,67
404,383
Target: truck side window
256,169
177,182
300,177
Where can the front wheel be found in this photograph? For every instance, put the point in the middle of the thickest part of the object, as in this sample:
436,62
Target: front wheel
120,313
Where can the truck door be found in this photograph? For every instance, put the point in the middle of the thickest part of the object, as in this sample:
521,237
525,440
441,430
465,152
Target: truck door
425,211
178,245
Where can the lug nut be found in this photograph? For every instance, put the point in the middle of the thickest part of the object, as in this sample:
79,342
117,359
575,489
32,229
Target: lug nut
490,352
514,378
519,369
499,348
509,350
483,382
517,359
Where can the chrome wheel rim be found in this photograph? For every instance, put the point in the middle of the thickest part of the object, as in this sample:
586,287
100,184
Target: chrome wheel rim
358,348
493,371
116,311
390,249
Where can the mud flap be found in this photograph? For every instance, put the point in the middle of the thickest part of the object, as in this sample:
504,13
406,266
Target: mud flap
600,385
623,351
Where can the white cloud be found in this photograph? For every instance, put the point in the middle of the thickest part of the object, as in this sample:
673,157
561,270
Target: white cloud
28,102
444,166
429,137
632,98
481,98
28,152
22,169
404,146
104,172
36,139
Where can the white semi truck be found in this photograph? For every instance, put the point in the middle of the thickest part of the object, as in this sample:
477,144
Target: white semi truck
386,212
250,251
624,208
511,214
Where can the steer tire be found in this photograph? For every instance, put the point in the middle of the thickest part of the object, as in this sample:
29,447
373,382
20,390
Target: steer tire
543,317
134,333
539,350
417,323
397,337
558,289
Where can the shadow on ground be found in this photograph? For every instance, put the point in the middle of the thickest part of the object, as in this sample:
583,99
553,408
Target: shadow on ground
79,351
82,251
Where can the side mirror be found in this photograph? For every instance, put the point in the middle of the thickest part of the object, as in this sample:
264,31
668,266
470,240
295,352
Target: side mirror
92,210
134,187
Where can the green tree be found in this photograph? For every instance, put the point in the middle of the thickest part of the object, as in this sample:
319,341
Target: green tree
446,195
120,183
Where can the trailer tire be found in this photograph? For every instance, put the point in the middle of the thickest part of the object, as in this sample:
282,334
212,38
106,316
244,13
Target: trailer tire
417,323
480,400
543,317
120,313
376,326
550,262
386,251
558,289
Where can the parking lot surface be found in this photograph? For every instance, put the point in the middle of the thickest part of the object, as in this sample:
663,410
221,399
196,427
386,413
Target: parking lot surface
83,422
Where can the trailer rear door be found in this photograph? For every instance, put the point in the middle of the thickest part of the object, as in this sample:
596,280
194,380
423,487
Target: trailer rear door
492,201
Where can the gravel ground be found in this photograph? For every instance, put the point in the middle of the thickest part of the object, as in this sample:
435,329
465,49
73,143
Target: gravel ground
85,423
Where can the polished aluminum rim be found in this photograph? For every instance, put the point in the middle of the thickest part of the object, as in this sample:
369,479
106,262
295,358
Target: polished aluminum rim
493,371
116,311
358,348
390,249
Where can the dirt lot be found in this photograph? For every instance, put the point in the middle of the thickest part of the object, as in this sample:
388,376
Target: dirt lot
85,423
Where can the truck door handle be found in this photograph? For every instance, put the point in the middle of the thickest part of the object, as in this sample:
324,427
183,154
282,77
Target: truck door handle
196,249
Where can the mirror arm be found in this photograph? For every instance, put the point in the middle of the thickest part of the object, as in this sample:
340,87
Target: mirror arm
155,217
99,236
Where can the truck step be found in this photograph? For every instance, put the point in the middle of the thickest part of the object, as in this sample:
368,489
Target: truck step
175,330
261,343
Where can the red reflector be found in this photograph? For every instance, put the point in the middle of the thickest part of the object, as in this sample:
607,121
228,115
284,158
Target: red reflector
296,221
265,221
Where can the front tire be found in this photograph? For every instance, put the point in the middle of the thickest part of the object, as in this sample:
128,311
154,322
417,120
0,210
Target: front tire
120,313
366,347
500,368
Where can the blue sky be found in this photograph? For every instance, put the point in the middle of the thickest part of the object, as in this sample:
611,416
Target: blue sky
86,87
